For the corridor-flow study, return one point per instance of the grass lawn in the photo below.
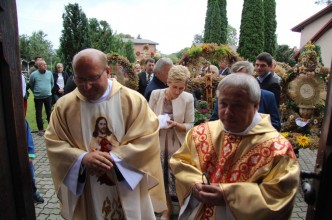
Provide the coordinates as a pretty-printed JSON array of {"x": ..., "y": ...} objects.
[{"x": 31, "y": 114}]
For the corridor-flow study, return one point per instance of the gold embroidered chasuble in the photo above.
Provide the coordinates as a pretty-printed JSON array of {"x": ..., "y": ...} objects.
[
  {"x": 258, "y": 172},
  {"x": 136, "y": 130}
]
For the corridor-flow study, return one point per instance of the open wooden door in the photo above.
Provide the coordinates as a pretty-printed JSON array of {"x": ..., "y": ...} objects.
[
  {"x": 321, "y": 190},
  {"x": 15, "y": 181}
]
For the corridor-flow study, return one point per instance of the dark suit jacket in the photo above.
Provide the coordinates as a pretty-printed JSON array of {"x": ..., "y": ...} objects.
[
  {"x": 153, "y": 85},
  {"x": 271, "y": 83},
  {"x": 224, "y": 72},
  {"x": 56, "y": 88},
  {"x": 70, "y": 85},
  {"x": 267, "y": 105},
  {"x": 142, "y": 84}
]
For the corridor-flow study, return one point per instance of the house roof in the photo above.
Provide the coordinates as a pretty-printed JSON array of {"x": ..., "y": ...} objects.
[
  {"x": 324, "y": 11},
  {"x": 140, "y": 41},
  {"x": 315, "y": 38},
  {"x": 326, "y": 27}
]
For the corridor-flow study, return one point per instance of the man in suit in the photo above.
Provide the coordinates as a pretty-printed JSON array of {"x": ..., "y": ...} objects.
[
  {"x": 267, "y": 104},
  {"x": 159, "y": 81},
  {"x": 266, "y": 78},
  {"x": 224, "y": 69},
  {"x": 145, "y": 77}
]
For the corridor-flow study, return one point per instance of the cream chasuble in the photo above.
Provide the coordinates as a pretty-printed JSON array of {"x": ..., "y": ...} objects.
[
  {"x": 124, "y": 125},
  {"x": 258, "y": 172}
]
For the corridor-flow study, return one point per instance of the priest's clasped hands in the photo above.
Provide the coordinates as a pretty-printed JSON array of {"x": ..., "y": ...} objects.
[{"x": 209, "y": 194}]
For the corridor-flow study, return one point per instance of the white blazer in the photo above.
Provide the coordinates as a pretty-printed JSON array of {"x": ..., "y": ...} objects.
[{"x": 183, "y": 109}]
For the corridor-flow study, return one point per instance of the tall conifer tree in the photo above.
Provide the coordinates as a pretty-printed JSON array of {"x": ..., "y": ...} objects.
[
  {"x": 224, "y": 21},
  {"x": 251, "y": 30},
  {"x": 270, "y": 26},
  {"x": 208, "y": 21},
  {"x": 215, "y": 23},
  {"x": 75, "y": 35}
]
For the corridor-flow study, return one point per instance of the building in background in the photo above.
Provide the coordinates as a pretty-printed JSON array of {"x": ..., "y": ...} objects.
[
  {"x": 318, "y": 30},
  {"x": 143, "y": 48}
]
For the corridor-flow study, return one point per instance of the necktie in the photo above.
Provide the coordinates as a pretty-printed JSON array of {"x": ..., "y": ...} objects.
[{"x": 149, "y": 79}]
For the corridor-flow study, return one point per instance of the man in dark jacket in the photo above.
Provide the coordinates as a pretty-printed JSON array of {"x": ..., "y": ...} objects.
[
  {"x": 159, "y": 81},
  {"x": 266, "y": 78},
  {"x": 267, "y": 104},
  {"x": 145, "y": 77}
]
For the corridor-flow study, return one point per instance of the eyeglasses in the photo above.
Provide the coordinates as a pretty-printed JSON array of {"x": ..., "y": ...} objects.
[
  {"x": 205, "y": 178},
  {"x": 82, "y": 80}
]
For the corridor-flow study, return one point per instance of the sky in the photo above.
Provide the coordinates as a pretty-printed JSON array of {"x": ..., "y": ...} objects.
[{"x": 170, "y": 23}]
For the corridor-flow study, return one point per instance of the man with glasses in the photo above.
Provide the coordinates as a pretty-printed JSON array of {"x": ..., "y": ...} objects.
[
  {"x": 238, "y": 167},
  {"x": 266, "y": 78},
  {"x": 76, "y": 167}
]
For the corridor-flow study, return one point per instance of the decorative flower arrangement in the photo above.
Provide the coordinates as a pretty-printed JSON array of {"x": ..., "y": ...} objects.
[
  {"x": 132, "y": 78},
  {"x": 299, "y": 140},
  {"x": 281, "y": 69},
  {"x": 303, "y": 97},
  {"x": 200, "y": 54},
  {"x": 202, "y": 112},
  {"x": 198, "y": 57},
  {"x": 146, "y": 47}
]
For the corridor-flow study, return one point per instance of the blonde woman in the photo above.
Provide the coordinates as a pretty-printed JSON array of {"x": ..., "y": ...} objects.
[{"x": 175, "y": 109}]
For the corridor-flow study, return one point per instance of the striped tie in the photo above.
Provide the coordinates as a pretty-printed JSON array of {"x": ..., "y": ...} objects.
[{"x": 149, "y": 79}]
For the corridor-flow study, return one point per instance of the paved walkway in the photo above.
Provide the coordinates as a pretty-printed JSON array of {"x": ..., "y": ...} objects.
[{"x": 50, "y": 208}]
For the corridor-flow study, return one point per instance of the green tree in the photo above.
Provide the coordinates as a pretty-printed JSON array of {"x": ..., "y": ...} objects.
[
  {"x": 198, "y": 39},
  {"x": 251, "y": 30},
  {"x": 208, "y": 20},
  {"x": 121, "y": 35},
  {"x": 128, "y": 51},
  {"x": 75, "y": 33},
  {"x": 102, "y": 36},
  {"x": 174, "y": 58},
  {"x": 231, "y": 36},
  {"x": 284, "y": 54},
  {"x": 179, "y": 54},
  {"x": 24, "y": 47},
  {"x": 215, "y": 28},
  {"x": 270, "y": 26},
  {"x": 213, "y": 32},
  {"x": 224, "y": 21},
  {"x": 36, "y": 45},
  {"x": 95, "y": 33},
  {"x": 215, "y": 24}
]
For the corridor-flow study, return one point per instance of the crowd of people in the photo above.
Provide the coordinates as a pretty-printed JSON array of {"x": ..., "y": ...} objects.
[{"x": 129, "y": 154}]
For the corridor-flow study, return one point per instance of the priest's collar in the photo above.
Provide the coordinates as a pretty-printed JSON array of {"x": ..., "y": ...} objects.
[
  {"x": 106, "y": 94},
  {"x": 256, "y": 119}
]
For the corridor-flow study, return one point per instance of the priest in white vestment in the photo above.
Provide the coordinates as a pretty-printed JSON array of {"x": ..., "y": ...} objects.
[{"x": 103, "y": 147}]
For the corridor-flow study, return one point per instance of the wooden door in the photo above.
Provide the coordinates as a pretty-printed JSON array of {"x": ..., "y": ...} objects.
[
  {"x": 322, "y": 186},
  {"x": 15, "y": 181}
]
